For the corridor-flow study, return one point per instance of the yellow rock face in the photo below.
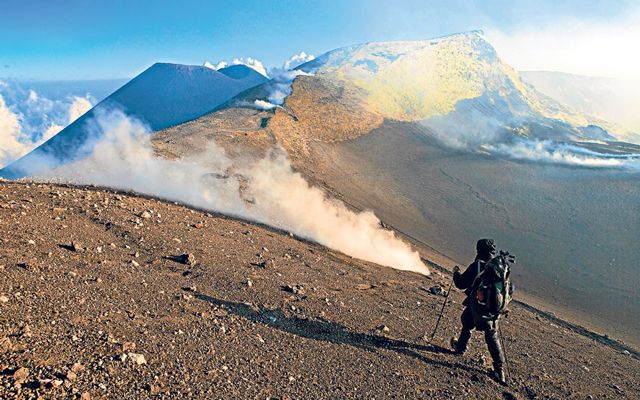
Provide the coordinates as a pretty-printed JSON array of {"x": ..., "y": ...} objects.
[
  {"x": 413, "y": 81},
  {"x": 428, "y": 78}
]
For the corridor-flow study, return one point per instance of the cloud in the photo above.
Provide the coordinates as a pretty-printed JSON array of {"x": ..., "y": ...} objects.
[
  {"x": 51, "y": 131},
  {"x": 594, "y": 48},
  {"x": 27, "y": 119},
  {"x": 297, "y": 59},
  {"x": 220, "y": 65},
  {"x": 78, "y": 107},
  {"x": 265, "y": 190},
  {"x": 11, "y": 145},
  {"x": 249, "y": 62}
]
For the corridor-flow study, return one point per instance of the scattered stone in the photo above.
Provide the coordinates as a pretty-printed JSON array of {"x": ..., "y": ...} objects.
[
  {"x": 437, "y": 290},
  {"x": 31, "y": 242},
  {"x": 264, "y": 264},
  {"x": 249, "y": 283},
  {"x": 185, "y": 258},
  {"x": 384, "y": 328},
  {"x": 153, "y": 389},
  {"x": 363, "y": 286},
  {"x": 145, "y": 215},
  {"x": 295, "y": 289},
  {"x": 5, "y": 344},
  {"x": 21, "y": 374},
  {"x": 135, "y": 263},
  {"x": 128, "y": 346},
  {"x": 138, "y": 359},
  {"x": 76, "y": 367},
  {"x": 4, "y": 299},
  {"x": 71, "y": 376},
  {"x": 77, "y": 247},
  {"x": 26, "y": 332},
  {"x": 85, "y": 396}
]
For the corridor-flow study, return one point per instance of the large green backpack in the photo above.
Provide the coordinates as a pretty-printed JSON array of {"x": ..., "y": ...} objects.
[{"x": 491, "y": 290}]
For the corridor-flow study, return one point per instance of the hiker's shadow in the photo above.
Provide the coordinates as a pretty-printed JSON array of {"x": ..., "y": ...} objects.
[{"x": 332, "y": 332}]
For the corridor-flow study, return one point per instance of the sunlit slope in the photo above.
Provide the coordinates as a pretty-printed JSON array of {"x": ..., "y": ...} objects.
[{"x": 417, "y": 80}]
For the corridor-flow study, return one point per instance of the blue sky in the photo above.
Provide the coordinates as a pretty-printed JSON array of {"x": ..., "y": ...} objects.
[{"x": 88, "y": 39}]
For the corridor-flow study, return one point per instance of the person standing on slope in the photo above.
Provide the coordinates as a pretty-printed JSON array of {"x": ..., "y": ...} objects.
[{"x": 486, "y": 250}]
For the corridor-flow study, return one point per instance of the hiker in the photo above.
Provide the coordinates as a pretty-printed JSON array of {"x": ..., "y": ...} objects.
[{"x": 486, "y": 251}]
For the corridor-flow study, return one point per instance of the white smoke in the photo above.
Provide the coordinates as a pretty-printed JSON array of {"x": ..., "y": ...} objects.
[
  {"x": 281, "y": 83},
  {"x": 264, "y": 105},
  {"x": 270, "y": 192},
  {"x": 470, "y": 129},
  {"x": 559, "y": 153}
]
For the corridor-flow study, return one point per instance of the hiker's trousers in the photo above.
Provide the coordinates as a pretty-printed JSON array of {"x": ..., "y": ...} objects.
[{"x": 490, "y": 336}]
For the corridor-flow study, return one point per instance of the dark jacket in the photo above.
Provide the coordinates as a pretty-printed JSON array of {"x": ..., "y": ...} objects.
[{"x": 465, "y": 280}]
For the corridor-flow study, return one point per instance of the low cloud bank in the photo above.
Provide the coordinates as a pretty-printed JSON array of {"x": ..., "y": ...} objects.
[
  {"x": 266, "y": 191},
  {"x": 28, "y": 119}
]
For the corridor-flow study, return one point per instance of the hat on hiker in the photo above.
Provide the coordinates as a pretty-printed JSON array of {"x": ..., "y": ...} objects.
[{"x": 486, "y": 246}]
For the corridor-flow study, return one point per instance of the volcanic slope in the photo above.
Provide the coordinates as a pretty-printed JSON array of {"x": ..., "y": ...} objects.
[
  {"x": 572, "y": 228},
  {"x": 162, "y": 96},
  {"x": 93, "y": 300}
]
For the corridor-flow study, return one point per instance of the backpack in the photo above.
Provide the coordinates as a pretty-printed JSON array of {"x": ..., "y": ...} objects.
[{"x": 491, "y": 290}]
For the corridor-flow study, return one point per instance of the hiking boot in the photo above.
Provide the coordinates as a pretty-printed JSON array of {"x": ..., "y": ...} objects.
[
  {"x": 454, "y": 346},
  {"x": 500, "y": 376}
]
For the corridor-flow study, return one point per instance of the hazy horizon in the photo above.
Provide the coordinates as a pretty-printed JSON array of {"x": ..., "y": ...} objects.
[{"x": 46, "y": 41}]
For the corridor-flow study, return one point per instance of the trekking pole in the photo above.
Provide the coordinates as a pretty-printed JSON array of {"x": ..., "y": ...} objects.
[
  {"x": 441, "y": 312},
  {"x": 504, "y": 349}
]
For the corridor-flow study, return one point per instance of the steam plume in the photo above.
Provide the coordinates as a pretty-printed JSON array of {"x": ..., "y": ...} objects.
[{"x": 271, "y": 192}]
